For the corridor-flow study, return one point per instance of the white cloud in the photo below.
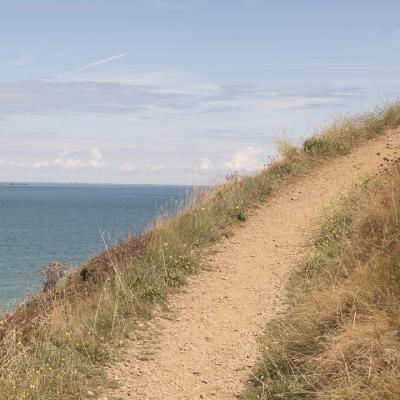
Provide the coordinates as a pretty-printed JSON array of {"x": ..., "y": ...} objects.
[
  {"x": 41, "y": 164},
  {"x": 19, "y": 164},
  {"x": 68, "y": 163},
  {"x": 97, "y": 159},
  {"x": 244, "y": 160},
  {"x": 61, "y": 161},
  {"x": 14, "y": 164},
  {"x": 158, "y": 167},
  {"x": 127, "y": 166},
  {"x": 205, "y": 164}
]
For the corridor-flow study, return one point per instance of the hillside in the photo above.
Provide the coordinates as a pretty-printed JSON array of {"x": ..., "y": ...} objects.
[
  {"x": 193, "y": 338},
  {"x": 206, "y": 346},
  {"x": 339, "y": 337}
]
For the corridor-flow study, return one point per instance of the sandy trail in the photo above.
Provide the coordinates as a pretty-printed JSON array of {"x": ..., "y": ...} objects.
[{"x": 206, "y": 346}]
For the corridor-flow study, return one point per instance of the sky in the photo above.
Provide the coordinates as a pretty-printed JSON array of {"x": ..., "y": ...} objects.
[{"x": 181, "y": 91}]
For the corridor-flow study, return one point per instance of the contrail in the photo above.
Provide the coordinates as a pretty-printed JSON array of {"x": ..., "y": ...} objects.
[{"x": 91, "y": 65}]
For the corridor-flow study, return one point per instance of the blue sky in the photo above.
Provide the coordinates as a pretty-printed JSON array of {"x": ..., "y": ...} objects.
[{"x": 181, "y": 91}]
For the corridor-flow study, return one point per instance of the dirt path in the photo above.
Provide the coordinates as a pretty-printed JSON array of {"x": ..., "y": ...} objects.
[{"x": 206, "y": 346}]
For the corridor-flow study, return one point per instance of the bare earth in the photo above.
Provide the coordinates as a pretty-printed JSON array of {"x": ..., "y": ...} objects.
[{"x": 206, "y": 346}]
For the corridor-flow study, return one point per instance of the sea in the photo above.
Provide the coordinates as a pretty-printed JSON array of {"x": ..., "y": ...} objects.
[{"x": 42, "y": 223}]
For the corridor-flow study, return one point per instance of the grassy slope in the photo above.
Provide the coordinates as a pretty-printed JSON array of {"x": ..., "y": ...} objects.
[
  {"x": 340, "y": 336},
  {"x": 55, "y": 344}
]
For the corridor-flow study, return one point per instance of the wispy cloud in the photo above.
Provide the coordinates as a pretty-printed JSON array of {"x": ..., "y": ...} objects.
[
  {"x": 44, "y": 97},
  {"x": 360, "y": 66},
  {"x": 21, "y": 60},
  {"x": 13, "y": 164},
  {"x": 91, "y": 65},
  {"x": 157, "y": 167}
]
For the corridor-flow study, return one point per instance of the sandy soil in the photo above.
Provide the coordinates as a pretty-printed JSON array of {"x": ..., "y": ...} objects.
[{"x": 206, "y": 346}]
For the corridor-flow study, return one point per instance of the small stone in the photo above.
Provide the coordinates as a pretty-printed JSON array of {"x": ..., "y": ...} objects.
[{"x": 90, "y": 393}]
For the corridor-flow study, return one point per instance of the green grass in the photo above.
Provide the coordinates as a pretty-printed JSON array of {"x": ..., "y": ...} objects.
[
  {"x": 56, "y": 344},
  {"x": 339, "y": 338}
]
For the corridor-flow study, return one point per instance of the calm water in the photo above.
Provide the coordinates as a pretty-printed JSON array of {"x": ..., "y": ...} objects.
[{"x": 44, "y": 223}]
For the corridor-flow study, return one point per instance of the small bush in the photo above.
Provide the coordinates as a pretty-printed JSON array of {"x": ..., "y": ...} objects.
[
  {"x": 316, "y": 146},
  {"x": 53, "y": 273},
  {"x": 241, "y": 216},
  {"x": 287, "y": 150}
]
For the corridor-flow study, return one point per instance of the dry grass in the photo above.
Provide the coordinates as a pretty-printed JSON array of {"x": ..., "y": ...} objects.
[
  {"x": 56, "y": 343},
  {"x": 340, "y": 336}
]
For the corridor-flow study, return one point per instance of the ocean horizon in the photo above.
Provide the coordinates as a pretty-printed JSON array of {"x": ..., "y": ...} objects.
[{"x": 46, "y": 222}]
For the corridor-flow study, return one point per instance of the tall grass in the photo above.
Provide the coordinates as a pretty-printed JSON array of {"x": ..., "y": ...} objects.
[
  {"x": 340, "y": 336},
  {"x": 56, "y": 343}
]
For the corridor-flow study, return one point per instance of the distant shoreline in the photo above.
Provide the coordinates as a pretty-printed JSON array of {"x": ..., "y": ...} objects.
[{"x": 64, "y": 184}]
